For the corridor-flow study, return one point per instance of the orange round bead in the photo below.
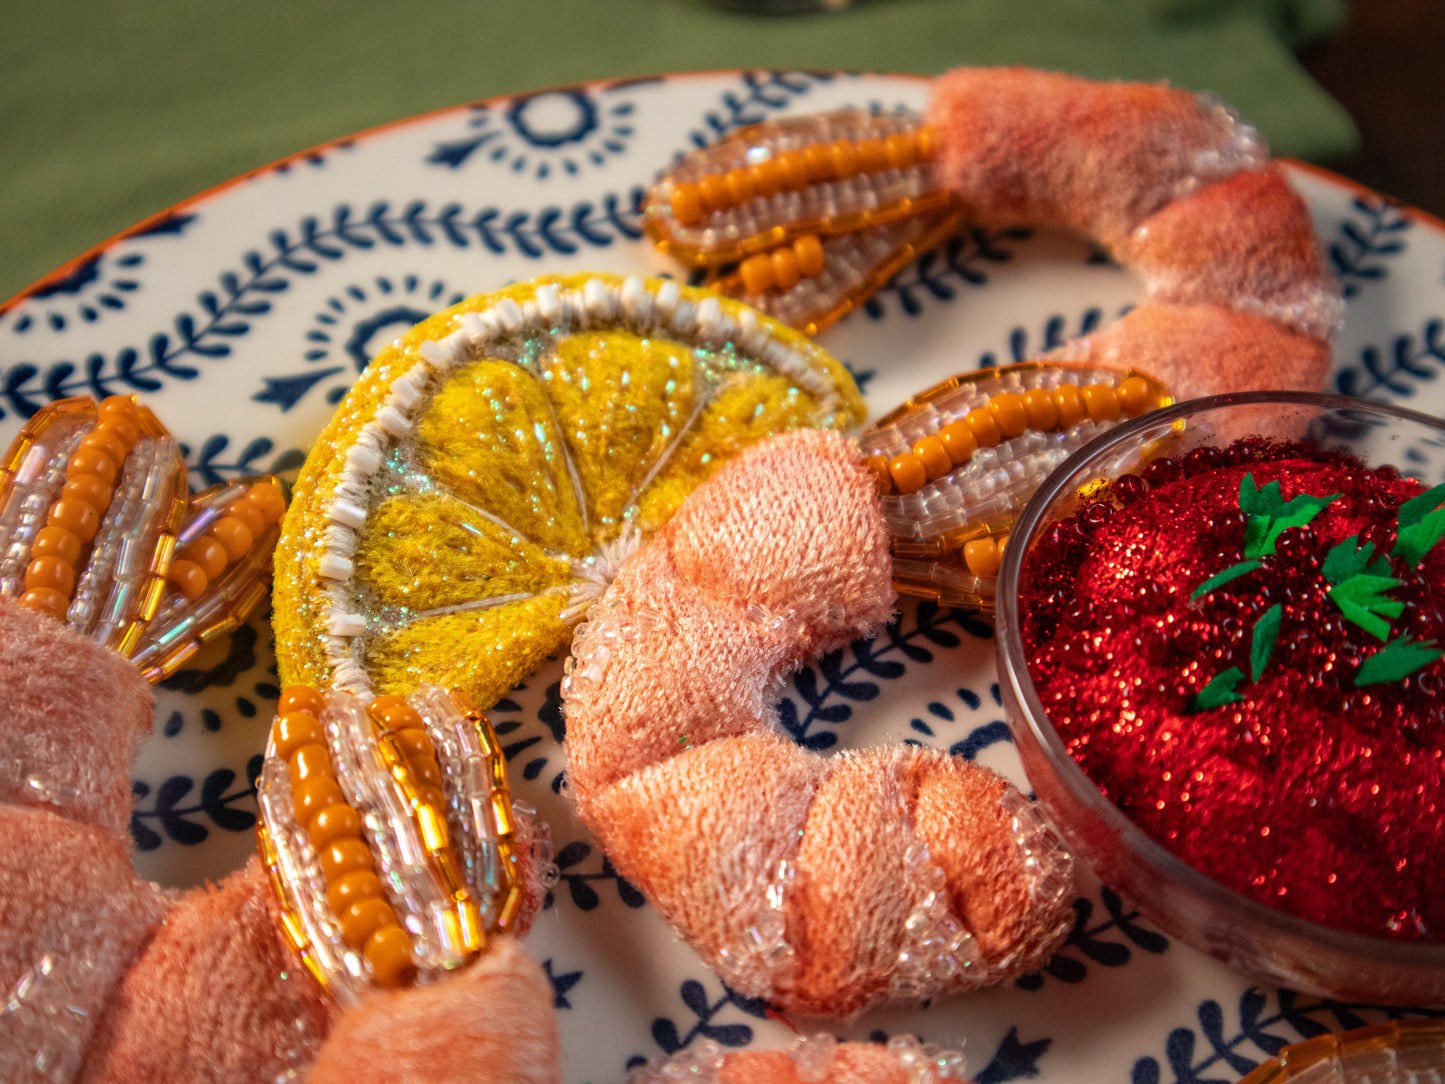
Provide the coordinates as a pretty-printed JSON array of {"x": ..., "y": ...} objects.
[
  {"x": 1071, "y": 405},
  {"x": 1101, "y": 401},
  {"x": 359, "y": 884},
  {"x": 843, "y": 156},
  {"x": 295, "y": 729},
  {"x": 793, "y": 168},
  {"x": 393, "y": 712},
  {"x": 1043, "y": 411},
  {"x": 332, "y": 823},
  {"x": 233, "y": 535},
  {"x": 267, "y": 496},
  {"x": 343, "y": 857},
  {"x": 819, "y": 160},
  {"x": 415, "y": 742},
  {"x": 433, "y": 797},
  {"x": 313, "y": 795},
  {"x": 93, "y": 461},
  {"x": 958, "y": 438},
  {"x": 362, "y": 918},
  {"x": 77, "y": 517},
  {"x": 426, "y": 771},
  {"x": 1135, "y": 396},
  {"x": 207, "y": 554},
  {"x": 768, "y": 179},
  {"x": 56, "y": 542},
  {"x": 757, "y": 273},
  {"x": 50, "y": 573},
  {"x": 107, "y": 442},
  {"x": 933, "y": 453},
  {"x": 878, "y": 466},
  {"x": 1009, "y": 411},
  {"x": 116, "y": 406},
  {"x": 713, "y": 191},
  {"x": 872, "y": 155},
  {"x": 985, "y": 427},
  {"x": 926, "y": 142},
  {"x": 309, "y": 761},
  {"x": 121, "y": 426},
  {"x": 686, "y": 203},
  {"x": 809, "y": 251},
  {"x": 909, "y": 473},
  {"x": 785, "y": 268},
  {"x": 90, "y": 488},
  {"x": 248, "y": 514},
  {"x": 982, "y": 557},
  {"x": 740, "y": 185},
  {"x": 901, "y": 148},
  {"x": 300, "y": 698},
  {"x": 189, "y": 579},
  {"x": 46, "y": 601},
  {"x": 389, "y": 953}
]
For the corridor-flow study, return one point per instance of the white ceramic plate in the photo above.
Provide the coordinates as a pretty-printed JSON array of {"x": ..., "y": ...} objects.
[{"x": 243, "y": 315}]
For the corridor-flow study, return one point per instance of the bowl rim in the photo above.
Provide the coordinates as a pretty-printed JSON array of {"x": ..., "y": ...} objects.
[{"x": 1013, "y": 671}]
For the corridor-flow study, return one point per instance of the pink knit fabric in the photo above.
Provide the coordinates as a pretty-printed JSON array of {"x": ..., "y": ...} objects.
[
  {"x": 75, "y": 713},
  {"x": 675, "y": 765}
]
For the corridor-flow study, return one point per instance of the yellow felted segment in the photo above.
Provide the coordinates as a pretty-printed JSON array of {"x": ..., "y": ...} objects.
[
  {"x": 486, "y": 652},
  {"x": 490, "y": 437},
  {"x": 620, "y": 402},
  {"x": 750, "y": 407},
  {"x": 398, "y": 555}
]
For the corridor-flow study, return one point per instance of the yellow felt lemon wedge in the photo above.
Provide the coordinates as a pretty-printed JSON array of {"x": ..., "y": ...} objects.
[{"x": 488, "y": 472}]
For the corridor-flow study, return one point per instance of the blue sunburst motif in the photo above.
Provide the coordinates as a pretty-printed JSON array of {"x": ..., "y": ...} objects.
[{"x": 555, "y": 130}]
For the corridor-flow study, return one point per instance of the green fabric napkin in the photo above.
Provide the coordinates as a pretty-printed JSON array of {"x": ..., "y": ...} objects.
[{"x": 110, "y": 112}]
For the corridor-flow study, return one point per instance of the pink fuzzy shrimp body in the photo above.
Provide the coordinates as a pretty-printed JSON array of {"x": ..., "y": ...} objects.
[{"x": 825, "y": 884}]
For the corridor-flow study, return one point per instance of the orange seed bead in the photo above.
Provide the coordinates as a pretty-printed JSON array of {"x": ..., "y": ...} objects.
[
  {"x": 50, "y": 573},
  {"x": 878, "y": 466},
  {"x": 394, "y": 713},
  {"x": 93, "y": 461},
  {"x": 985, "y": 427},
  {"x": 207, "y": 554},
  {"x": 294, "y": 729},
  {"x": 90, "y": 488},
  {"x": 189, "y": 579},
  {"x": 686, "y": 203},
  {"x": 909, "y": 473},
  {"x": 334, "y": 822},
  {"x": 77, "y": 517},
  {"x": 104, "y": 441},
  {"x": 56, "y": 542},
  {"x": 1043, "y": 411},
  {"x": 785, "y": 268},
  {"x": 309, "y": 761},
  {"x": 934, "y": 456},
  {"x": 267, "y": 496},
  {"x": 982, "y": 557},
  {"x": 809, "y": 251},
  {"x": 46, "y": 601},
  {"x": 958, "y": 438},
  {"x": 793, "y": 168},
  {"x": 389, "y": 953},
  {"x": 902, "y": 149},
  {"x": 300, "y": 698},
  {"x": 313, "y": 795},
  {"x": 926, "y": 142},
  {"x": 113, "y": 405},
  {"x": 740, "y": 185},
  {"x": 120, "y": 426},
  {"x": 415, "y": 742},
  {"x": 1135, "y": 396},
  {"x": 767, "y": 177},
  {"x": 1071, "y": 405},
  {"x": 757, "y": 273},
  {"x": 233, "y": 535},
  {"x": 1009, "y": 411},
  {"x": 345, "y": 856},
  {"x": 819, "y": 161},
  {"x": 364, "y": 917},
  {"x": 248, "y": 514},
  {"x": 1101, "y": 401},
  {"x": 872, "y": 155},
  {"x": 843, "y": 157},
  {"x": 359, "y": 884},
  {"x": 714, "y": 192},
  {"x": 426, "y": 771}
]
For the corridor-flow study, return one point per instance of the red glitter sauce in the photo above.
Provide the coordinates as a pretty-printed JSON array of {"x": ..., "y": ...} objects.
[{"x": 1311, "y": 794}]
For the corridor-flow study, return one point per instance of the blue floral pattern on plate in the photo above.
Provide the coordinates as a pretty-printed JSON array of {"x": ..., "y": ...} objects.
[{"x": 244, "y": 316}]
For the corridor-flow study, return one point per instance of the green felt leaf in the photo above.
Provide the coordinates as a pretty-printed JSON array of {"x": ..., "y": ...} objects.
[
  {"x": 1397, "y": 659},
  {"x": 1416, "y": 508},
  {"x": 1219, "y": 691},
  {"x": 1266, "y": 635},
  {"x": 1233, "y": 572},
  {"x": 1270, "y": 515},
  {"x": 1361, "y": 598},
  {"x": 1349, "y": 558},
  {"x": 1416, "y": 540}
]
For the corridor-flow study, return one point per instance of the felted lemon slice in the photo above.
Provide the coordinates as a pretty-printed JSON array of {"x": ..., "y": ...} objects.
[{"x": 489, "y": 471}]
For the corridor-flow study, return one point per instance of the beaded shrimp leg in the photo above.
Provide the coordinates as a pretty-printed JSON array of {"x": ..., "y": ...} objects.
[
  {"x": 816, "y": 212},
  {"x": 826, "y": 885}
]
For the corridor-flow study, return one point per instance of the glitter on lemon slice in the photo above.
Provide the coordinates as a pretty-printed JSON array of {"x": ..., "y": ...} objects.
[{"x": 491, "y": 469}]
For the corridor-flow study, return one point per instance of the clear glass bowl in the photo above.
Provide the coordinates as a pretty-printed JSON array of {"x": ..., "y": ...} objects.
[{"x": 1267, "y": 945}]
